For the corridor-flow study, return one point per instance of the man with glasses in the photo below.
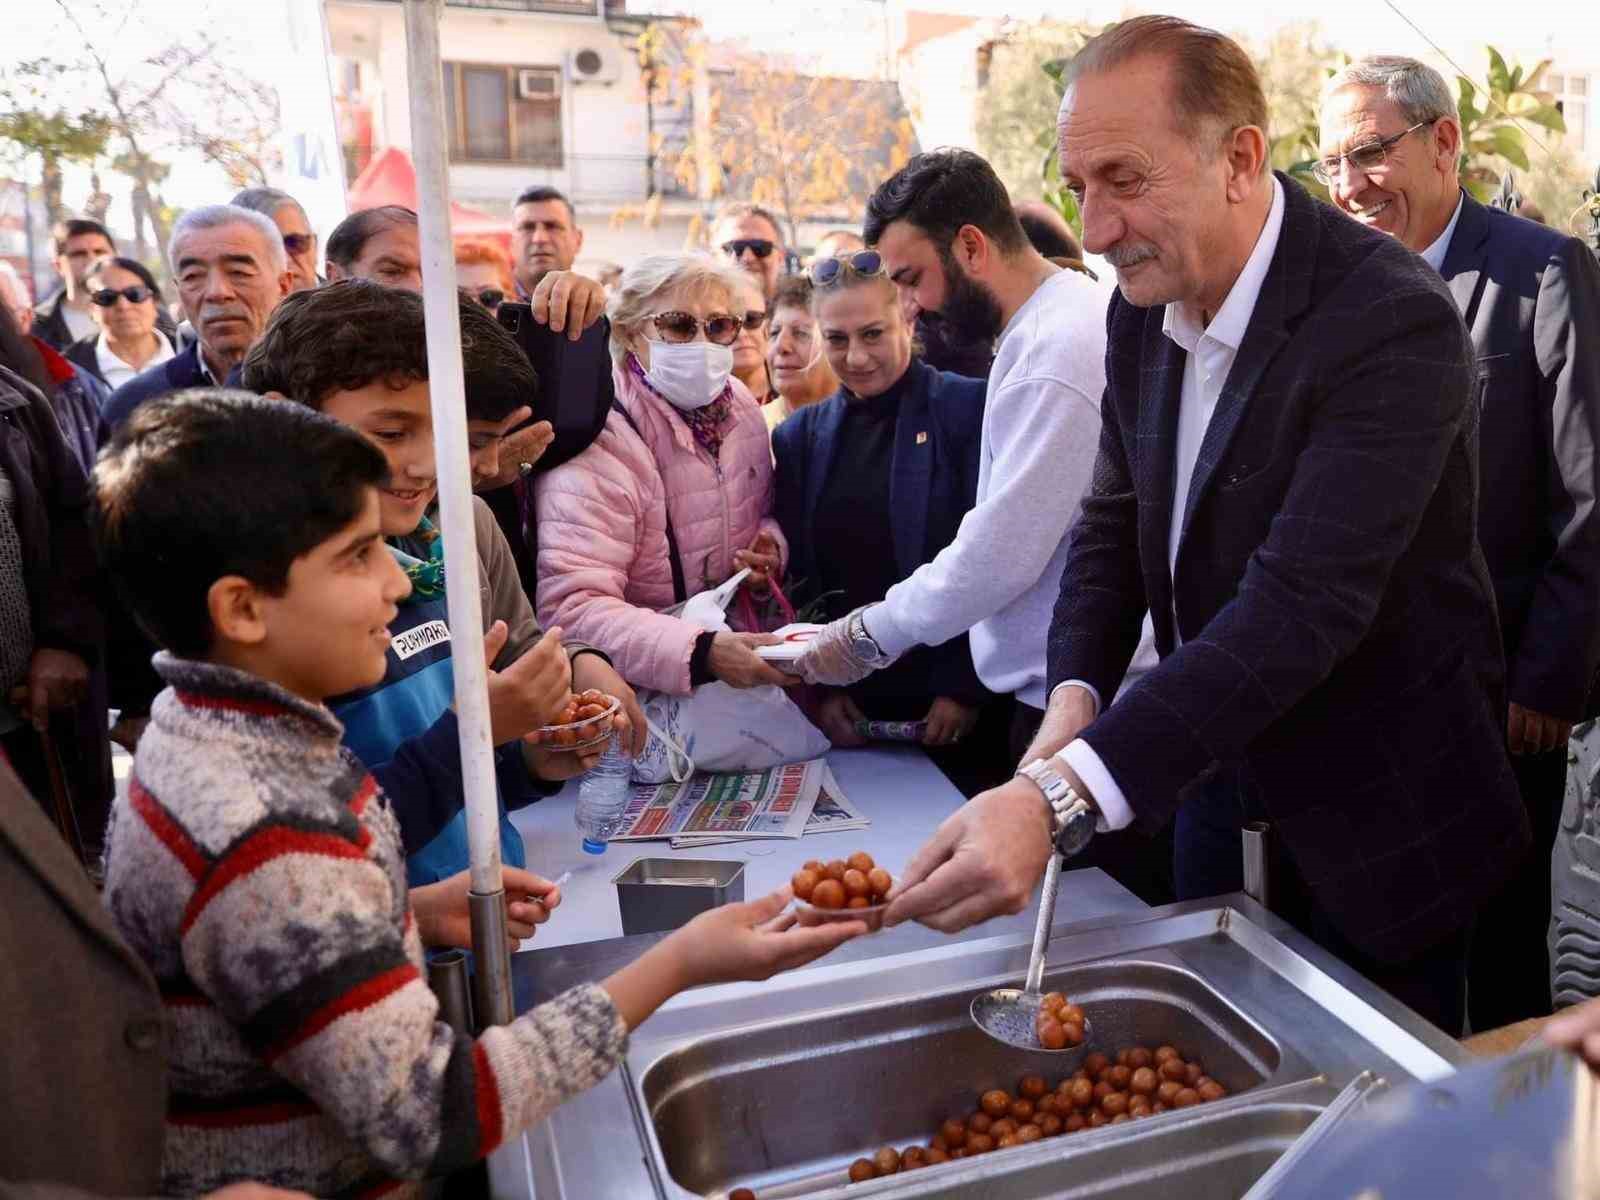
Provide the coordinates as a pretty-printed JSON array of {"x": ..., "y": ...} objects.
[
  {"x": 65, "y": 317},
  {"x": 1391, "y": 145},
  {"x": 747, "y": 236},
  {"x": 299, "y": 240}
]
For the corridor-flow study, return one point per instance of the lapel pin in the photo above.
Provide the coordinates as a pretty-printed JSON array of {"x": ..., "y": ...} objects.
[{"x": 922, "y": 436}]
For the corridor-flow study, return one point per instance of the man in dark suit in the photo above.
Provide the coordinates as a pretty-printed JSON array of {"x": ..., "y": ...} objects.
[
  {"x": 1391, "y": 142},
  {"x": 231, "y": 269},
  {"x": 1287, "y": 481}
]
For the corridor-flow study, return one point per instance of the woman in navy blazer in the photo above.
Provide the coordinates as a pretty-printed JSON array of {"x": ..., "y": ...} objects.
[{"x": 873, "y": 482}]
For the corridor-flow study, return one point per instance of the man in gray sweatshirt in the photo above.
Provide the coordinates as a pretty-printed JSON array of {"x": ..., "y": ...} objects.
[{"x": 951, "y": 242}]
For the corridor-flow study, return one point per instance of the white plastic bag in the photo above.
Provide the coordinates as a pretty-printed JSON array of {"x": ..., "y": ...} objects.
[{"x": 721, "y": 728}]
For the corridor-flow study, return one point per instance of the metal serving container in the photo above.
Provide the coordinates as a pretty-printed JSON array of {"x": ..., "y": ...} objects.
[
  {"x": 661, "y": 894},
  {"x": 777, "y": 1087}
]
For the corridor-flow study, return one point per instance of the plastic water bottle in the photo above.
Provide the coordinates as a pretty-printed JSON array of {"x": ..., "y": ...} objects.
[{"x": 603, "y": 798}]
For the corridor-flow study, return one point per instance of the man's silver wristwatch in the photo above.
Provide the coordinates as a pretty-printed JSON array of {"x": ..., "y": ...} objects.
[
  {"x": 862, "y": 644},
  {"x": 1072, "y": 818}
]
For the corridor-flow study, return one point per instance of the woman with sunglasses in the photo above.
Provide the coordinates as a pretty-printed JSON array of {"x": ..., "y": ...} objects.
[
  {"x": 483, "y": 271},
  {"x": 750, "y": 347},
  {"x": 872, "y": 483},
  {"x": 674, "y": 496},
  {"x": 125, "y": 303}
]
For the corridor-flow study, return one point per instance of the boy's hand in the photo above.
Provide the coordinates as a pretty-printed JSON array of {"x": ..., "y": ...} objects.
[
  {"x": 444, "y": 917},
  {"x": 564, "y": 300},
  {"x": 753, "y": 941},
  {"x": 513, "y": 450},
  {"x": 56, "y": 679},
  {"x": 836, "y": 716},
  {"x": 592, "y": 671},
  {"x": 529, "y": 693},
  {"x": 556, "y": 766}
]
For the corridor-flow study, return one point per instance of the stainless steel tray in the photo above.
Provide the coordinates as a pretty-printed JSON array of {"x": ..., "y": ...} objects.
[
  {"x": 782, "y": 1101},
  {"x": 777, "y": 1086}
]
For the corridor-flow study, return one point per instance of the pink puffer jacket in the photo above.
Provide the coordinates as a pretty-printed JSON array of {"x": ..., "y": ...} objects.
[{"x": 604, "y": 569}]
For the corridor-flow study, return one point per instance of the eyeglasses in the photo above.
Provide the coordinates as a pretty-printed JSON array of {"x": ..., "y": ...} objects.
[
  {"x": 107, "y": 297},
  {"x": 760, "y": 247},
  {"x": 1367, "y": 159},
  {"x": 299, "y": 243},
  {"x": 676, "y": 328},
  {"x": 491, "y": 298},
  {"x": 828, "y": 271},
  {"x": 754, "y": 319}
]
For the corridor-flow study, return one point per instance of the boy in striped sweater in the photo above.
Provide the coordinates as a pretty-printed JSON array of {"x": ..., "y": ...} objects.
[{"x": 255, "y": 864}]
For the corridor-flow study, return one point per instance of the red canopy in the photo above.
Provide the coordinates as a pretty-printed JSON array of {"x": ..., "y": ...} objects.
[{"x": 391, "y": 179}]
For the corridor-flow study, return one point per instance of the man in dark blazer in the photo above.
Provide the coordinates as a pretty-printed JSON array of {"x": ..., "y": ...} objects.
[
  {"x": 1531, "y": 299},
  {"x": 1287, "y": 481}
]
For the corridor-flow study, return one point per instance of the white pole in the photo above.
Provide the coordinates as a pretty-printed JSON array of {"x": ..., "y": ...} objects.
[{"x": 441, "y": 310}]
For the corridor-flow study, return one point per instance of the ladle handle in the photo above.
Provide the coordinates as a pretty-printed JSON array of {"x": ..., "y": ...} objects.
[{"x": 1041, "y": 929}]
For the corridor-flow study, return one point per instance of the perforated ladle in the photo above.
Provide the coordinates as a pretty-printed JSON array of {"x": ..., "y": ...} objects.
[{"x": 1008, "y": 1015}]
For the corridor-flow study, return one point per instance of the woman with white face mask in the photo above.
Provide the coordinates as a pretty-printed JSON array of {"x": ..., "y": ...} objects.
[{"x": 674, "y": 496}]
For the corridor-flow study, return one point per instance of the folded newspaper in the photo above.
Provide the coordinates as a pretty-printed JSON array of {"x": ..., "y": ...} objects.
[
  {"x": 831, "y": 813},
  {"x": 710, "y": 808}
]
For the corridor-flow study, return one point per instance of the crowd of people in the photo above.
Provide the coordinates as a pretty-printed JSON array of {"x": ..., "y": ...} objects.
[{"x": 1288, "y": 516}]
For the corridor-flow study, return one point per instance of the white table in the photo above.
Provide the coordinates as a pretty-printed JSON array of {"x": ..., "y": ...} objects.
[{"x": 902, "y": 792}]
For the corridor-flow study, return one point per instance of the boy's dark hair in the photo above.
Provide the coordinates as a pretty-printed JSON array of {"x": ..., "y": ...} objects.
[
  {"x": 542, "y": 194},
  {"x": 351, "y": 235},
  {"x": 208, "y": 482},
  {"x": 346, "y": 335},
  {"x": 77, "y": 227},
  {"x": 939, "y": 192}
]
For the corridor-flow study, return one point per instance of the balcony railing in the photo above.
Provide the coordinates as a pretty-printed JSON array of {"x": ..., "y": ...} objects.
[{"x": 558, "y": 8}]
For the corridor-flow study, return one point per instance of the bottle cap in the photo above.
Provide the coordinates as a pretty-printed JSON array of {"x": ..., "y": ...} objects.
[{"x": 593, "y": 847}]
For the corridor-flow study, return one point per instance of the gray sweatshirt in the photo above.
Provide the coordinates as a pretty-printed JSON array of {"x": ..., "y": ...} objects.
[{"x": 1041, "y": 432}]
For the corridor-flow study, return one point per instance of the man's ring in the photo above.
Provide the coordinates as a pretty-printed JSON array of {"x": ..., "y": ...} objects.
[{"x": 526, "y": 468}]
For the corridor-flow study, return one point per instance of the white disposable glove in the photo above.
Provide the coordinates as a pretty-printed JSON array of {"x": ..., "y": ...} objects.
[{"x": 831, "y": 658}]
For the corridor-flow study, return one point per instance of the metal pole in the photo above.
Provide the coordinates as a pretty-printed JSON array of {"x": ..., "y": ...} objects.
[
  {"x": 447, "y": 976},
  {"x": 425, "y": 79}
]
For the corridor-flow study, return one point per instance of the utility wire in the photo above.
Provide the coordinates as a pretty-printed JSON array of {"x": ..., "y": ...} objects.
[{"x": 1487, "y": 91}]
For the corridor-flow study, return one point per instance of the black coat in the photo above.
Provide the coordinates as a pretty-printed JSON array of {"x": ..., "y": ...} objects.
[
  {"x": 1339, "y": 636},
  {"x": 1531, "y": 299},
  {"x": 933, "y": 484},
  {"x": 183, "y": 370}
]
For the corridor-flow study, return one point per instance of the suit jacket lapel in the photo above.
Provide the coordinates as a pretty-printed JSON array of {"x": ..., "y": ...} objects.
[
  {"x": 1285, "y": 292},
  {"x": 1463, "y": 258},
  {"x": 1155, "y": 464},
  {"x": 911, "y": 474}
]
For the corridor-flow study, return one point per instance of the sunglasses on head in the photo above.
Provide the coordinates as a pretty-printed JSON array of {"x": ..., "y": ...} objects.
[
  {"x": 299, "y": 243},
  {"x": 760, "y": 247},
  {"x": 677, "y": 328},
  {"x": 861, "y": 262},
  {"x": 107, "y": 297}
]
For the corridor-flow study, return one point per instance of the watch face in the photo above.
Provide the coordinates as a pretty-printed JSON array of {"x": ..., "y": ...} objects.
[{"x": 1076, "y": 833}]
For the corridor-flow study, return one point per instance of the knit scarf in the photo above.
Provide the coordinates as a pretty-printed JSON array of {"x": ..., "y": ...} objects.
[
  {"x": 426, "y": 574},
  {"x": 704, "y": 423}
]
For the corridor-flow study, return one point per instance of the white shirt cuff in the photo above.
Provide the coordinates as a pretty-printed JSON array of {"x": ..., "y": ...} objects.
[
  {"x": 881, "y": 626},
  {"x": 1103, "y": 790},
  {"x": 1088, "y": 687}
]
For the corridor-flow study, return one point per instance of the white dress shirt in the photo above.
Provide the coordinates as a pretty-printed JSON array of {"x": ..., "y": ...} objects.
[
  {"x": 1210, "y": 354},
  {"x": 1434, "y": 254},
  {"x": 116, "y": 372}
]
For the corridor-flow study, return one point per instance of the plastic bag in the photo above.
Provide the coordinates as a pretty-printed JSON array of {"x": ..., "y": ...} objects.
[{"x": 720, "y": 728}]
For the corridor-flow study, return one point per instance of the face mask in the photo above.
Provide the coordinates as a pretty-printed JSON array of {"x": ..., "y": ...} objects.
[{"x": 690, "y": 375}]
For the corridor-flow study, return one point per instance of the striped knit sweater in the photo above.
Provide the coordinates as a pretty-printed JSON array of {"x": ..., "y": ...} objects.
[{"x": 257, "y": 868}]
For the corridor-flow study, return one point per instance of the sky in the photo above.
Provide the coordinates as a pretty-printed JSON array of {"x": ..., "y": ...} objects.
[{"x": 844, "y": 30}]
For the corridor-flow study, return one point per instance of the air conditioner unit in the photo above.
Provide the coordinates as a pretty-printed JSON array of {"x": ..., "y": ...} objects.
[
  {"x": 538, "y": 83},
  {"x": 593, "y": 64}
]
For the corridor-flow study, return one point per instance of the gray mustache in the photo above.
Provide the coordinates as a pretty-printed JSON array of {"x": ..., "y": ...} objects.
[{"x": 1129, "y": 256}]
